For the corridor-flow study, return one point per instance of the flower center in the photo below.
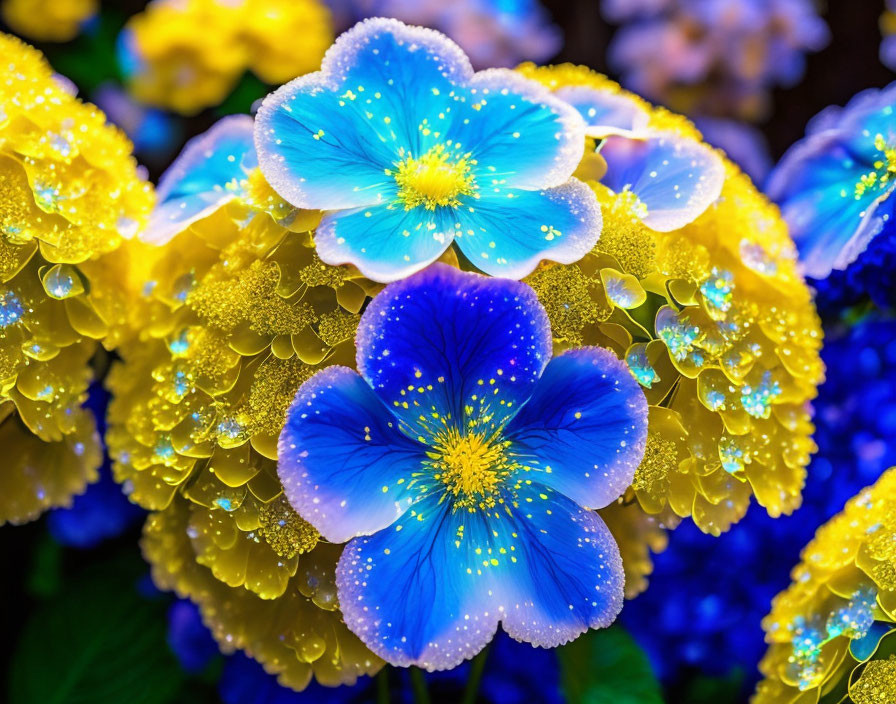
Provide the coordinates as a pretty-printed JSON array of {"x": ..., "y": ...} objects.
[
  {"x": 471, "y": 467},
  {"x": 884, "y": 169},
  {"x": 434, "y": 180}
]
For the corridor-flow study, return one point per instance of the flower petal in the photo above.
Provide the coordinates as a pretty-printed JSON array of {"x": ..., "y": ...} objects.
[
  {"x": 407, "y": 592},
  {"x": 358, "y": 115},
  {"x": 606, "y": 113},
  {"x": 587, "y": 423},
  {"x": 446, "y": 344},
  {"x": 202, "y": 178},
  {"x": 343, "y": 462},
  {"x": 518, "y": 131},
  {"x": 676, "y": 179},
  {"x": 507, "y": 232},
  {"x": 560, "y": 573},
  {"x": 386, "y": 242},
  {"x": 318, "y": 151},
  {"x": 814, "y": 183}
]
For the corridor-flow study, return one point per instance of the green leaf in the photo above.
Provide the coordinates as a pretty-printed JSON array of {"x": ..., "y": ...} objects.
[
  {"x": 607, "y": 667},
  {"x": 716, "y": 690},
  {"x": 45, "y": 576},
  {"x": 98, "y": 641}
]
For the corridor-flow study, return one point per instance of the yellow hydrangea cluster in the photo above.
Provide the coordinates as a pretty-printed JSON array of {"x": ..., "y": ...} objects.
[
  {"x": 70, "y": 193},
  {"x": 48, "y": 20},
  {"x": 189, "y": 55},
  {"x": 832, "y": 632},
  {"x": 715, "y": 323},
  {"x": 236, "y": 312}
]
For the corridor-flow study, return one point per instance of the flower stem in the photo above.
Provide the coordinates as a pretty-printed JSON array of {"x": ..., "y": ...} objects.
[
  {"x": 382, "y": 686},
  {"x": 477, "y": 667},
  {"x": 418, "y": 684}
]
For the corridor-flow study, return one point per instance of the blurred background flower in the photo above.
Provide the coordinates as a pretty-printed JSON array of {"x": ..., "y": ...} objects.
[
  {"x": 835, "y": 188},
  {"x": 717, "y": 58},
  {"x": 48, "y": 20},
  {"x": 491, "y": 32}
]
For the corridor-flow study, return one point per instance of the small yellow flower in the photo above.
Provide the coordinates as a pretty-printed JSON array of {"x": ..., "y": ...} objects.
[
  {"x": 186, "y": 56},
  {"x": 834, "y": 627},
  {"x": 48, "y": 20}
]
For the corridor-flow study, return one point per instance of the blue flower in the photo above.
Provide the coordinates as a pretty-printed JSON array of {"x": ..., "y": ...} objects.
[
  {"x": 189, "y": 639},
  {"x": 211, "y": 170},
  {"x": 408, "y": 150},
  {"x": 464, "y": 455},
  {"x": 674, "y": 179},
  {"x": 102, "y": 511},
  {"x": 834, "y": 186}
]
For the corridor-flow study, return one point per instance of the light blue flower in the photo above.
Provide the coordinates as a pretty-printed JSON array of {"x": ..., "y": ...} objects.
[
  {"x": 211, "y": 170},
  {"x": 605, "y": 112},
  {"x": 461, "y": 463},
  {"x": 408, "y": 150},
  {"x": 675, "y": 179},
  {"x": 834, "y": 185}
]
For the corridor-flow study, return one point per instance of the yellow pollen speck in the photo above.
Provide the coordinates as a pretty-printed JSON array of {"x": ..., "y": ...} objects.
[{"x": 885, "y": 168}]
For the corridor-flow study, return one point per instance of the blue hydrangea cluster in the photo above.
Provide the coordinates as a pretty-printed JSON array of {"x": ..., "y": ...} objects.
[
  {"x": 871, "y": 277},
  {"x": 701, "y": 614}
]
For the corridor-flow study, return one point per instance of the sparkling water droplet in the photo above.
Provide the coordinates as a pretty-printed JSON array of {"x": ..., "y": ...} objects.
[{"x": 11, "y": 310}]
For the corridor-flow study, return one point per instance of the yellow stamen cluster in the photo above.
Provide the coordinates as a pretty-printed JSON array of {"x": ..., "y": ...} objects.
[
  {"x": 435, "y": 180},
  {"x": 471, "y": 466},
  {"x": 884, "y": 169}
]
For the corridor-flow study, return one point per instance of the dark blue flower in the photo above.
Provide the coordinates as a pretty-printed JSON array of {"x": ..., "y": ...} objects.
[
  {"x": 102, "y": 511},
  {"x": 464, "y": 456},
  {"x": 189, "y": 639}
]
